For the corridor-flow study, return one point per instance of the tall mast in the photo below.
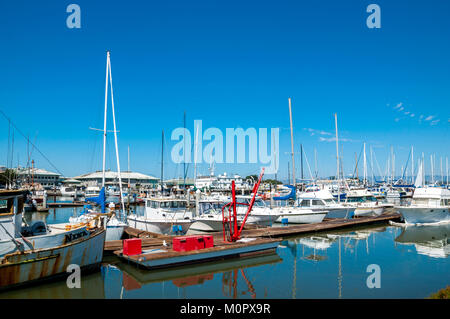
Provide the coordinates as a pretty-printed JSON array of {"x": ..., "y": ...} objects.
[
  {"x": 292, "y": 144},
  {"x": 432, "y": 168},
  {"x": 115, "y": 136},
  {"x": 365, "y": 166},
  {"x": 301, "y": 161},
  {"x": 162, "y": 162},
  {"x": 412, "y": 164},
  {"x": 441, "y": 179},
  {"x": 104, "y": 121},
  {"x": 337, "y": 158},
  {"x": 195, "y": 156},
  {"x": 184, "y": 148}
]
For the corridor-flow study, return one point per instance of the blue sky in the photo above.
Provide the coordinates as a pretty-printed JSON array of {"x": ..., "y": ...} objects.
[{"x": 230, "y": 64}]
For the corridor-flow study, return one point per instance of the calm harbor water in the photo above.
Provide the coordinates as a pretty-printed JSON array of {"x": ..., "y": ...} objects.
[{"x": 414, "y": 263}]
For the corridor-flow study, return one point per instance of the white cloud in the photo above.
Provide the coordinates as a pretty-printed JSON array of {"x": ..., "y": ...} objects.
[
  {"x": 429, "y": 118},
  {"x": 434, "y": 122},
  {"x": 412, "y": 115},
  {"x": 313, "y": 132},
  {"x": 398, "y": 105},
  {"x": 333, "y": 139}
]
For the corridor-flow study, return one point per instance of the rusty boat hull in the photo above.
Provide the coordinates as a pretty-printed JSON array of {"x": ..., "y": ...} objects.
[{"x": 33, "y": 266}]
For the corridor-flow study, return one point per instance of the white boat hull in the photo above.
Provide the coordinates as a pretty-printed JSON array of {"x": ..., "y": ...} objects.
[
  {"x": 368, "y": 211},
  {"x": 160, "y": 226},
  {"x": 298, "y": 216},
  {"x": 424, "y": 215}
]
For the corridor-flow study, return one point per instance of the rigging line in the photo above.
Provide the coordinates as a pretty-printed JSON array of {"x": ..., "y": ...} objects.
[
  {"x": 23, "y": 135},
  {"x": 357, "y": 162}
]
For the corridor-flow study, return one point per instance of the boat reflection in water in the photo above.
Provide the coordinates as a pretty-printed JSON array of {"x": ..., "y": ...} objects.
[
  {"x": 233, "y": 270},
  {"x": 429, "y": 240}
]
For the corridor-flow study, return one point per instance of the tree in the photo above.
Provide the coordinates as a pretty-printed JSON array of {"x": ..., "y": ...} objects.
[{"x": 8, "y": 176}]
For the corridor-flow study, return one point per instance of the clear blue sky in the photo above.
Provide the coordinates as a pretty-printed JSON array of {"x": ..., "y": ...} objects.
[{"x": 230, "y": 64}]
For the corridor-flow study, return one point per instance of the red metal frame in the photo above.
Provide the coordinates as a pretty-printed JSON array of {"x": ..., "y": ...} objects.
[{"x": 231, "y": 220}]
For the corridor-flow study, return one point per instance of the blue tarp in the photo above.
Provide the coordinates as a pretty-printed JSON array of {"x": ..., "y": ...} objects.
[
  {"x": 289, "y": 196},
  {"x": 101, "y": 199}
]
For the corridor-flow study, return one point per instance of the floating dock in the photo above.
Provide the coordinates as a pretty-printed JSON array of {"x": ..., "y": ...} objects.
[{"x": 164, "y": 257}]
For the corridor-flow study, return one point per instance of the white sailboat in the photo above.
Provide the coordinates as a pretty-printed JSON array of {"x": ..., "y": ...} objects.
[{"x": 116, "y": 224}]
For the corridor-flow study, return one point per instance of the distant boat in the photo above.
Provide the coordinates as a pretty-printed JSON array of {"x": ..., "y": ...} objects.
[
  {"x": 365, "y": 203},
  {"x": 323, "y": 200},
  {"x": 37, "y": 252}
]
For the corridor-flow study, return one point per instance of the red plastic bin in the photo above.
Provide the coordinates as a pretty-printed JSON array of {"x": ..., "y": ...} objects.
[
  {"x": 188, "y": 243},
  {"x": 132, "y": 246},
  {"x": 209, "y": 241}
]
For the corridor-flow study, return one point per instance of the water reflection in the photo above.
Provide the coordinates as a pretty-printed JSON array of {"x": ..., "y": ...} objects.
[
  {"x": 232, "y": 270},
  {"x": 432, "y": 241}
]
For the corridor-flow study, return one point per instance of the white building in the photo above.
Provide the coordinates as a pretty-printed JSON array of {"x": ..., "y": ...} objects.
[
  {"x": 135, "y": 178},
  {"x": 47, "y": 179}
]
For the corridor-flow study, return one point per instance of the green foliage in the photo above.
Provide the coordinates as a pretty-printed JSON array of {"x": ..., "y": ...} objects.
[
  {"x": 444, "y": 293},
  {"x": 8, "y": 176},
  {"x": 272, "y": 181}
]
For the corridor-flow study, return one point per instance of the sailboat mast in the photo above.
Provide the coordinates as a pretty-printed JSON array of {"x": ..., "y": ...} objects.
[
  {"x": 365, "y": 166},
  {"x": 184, "y": 153},
  {"x": 162, "y": 162},
  {"x": 115, "y": 136},
  {"x": 412, "y": 164},
  {"x": 292, "y": 144},
  {"x": 337, "y": 158},
  {"x": 104, "y": 121}
]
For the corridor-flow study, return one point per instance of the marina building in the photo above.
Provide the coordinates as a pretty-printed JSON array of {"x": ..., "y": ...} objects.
[{"x": 135, "y": 178}]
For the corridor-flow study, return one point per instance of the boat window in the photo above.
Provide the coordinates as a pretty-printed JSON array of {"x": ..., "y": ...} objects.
[
  {"x": 165, "y": 204},
  {"x": 173, "y": 204},
  {"x": 155, "y": 204},
  {"x": 149, "y": 203},
  {"x": 305, "y": 203},
  {"x": 445, "y": 202},
  {"x": 420, "y": 201},
  {"x": 329, "y": 201},
  {"x": 316, "y": 202},
  {"x": 181, "y": 204}
]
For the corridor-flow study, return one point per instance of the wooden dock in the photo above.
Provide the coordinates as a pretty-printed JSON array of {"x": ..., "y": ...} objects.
[
  {"x": 165, "y": 256},
  {"x": 329, "y": 224},
  {"x": 61, "y": 205}
]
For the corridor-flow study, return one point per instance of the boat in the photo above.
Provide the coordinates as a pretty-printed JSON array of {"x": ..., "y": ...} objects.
[
  {"x": 429, "y": 205},
  {"x": 364, "y": 202},
  {"x": 68, "y": 191},
  {"x": 163, "y": 215},
  {"x": 38, "y": 252},
  {"x": 209, "y": 216},
  {"x": 261, "y": 214},
  {"x": 300, "y": 215},
  {"x": 324, "y": 200},
  {"x": 116, "y": 221}
]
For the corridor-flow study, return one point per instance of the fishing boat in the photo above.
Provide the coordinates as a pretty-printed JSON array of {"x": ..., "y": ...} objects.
[
  {"x": 163, "y": 215},
  {"x": 209, "y": 216},
  {"x": 37, "y": 252}
]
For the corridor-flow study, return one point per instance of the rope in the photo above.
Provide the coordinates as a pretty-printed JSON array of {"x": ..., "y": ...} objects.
[{"x": 23, "y": 135}]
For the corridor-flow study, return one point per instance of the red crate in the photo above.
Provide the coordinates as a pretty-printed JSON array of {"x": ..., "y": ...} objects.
[
  {"x": 209, "y": 241},
  {"x": 188, "y": 243},
  {"x": 132, "y": 246}
]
